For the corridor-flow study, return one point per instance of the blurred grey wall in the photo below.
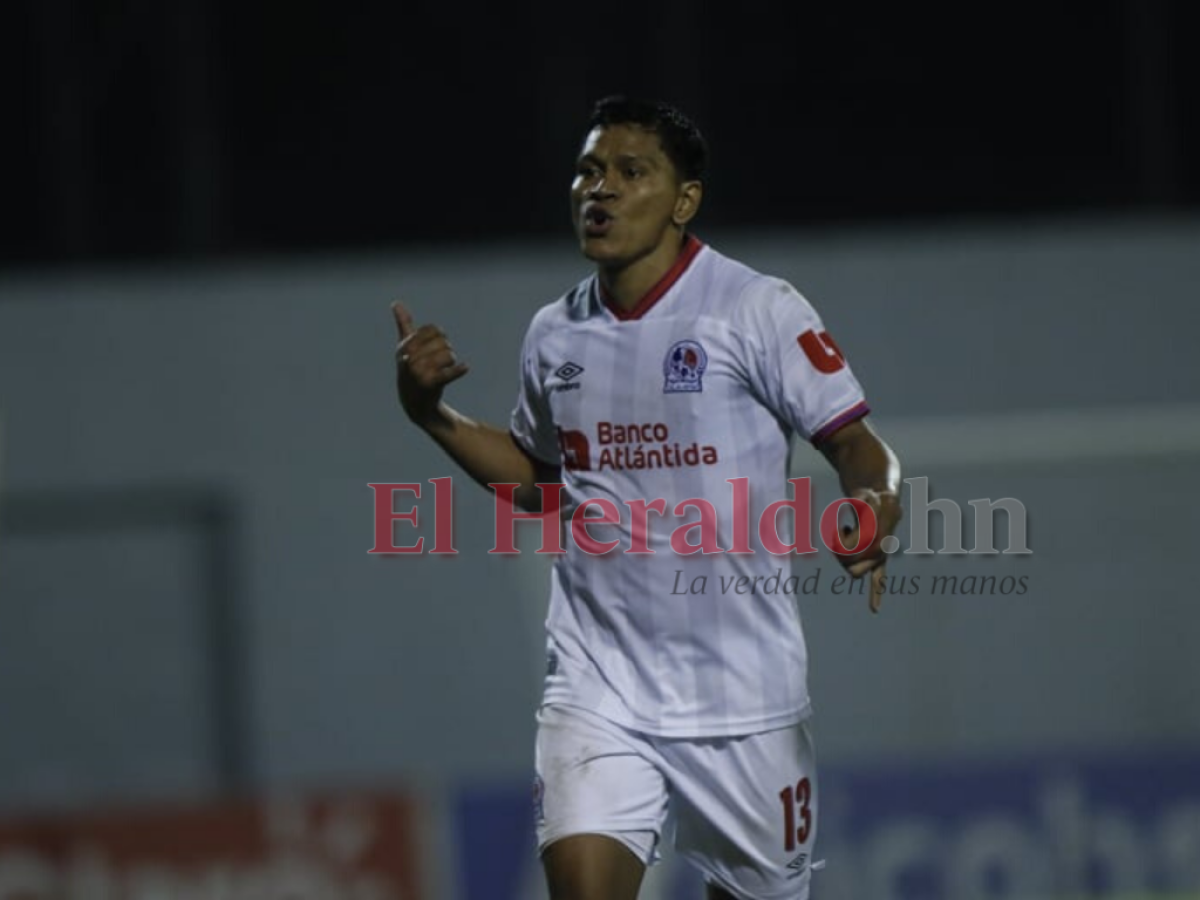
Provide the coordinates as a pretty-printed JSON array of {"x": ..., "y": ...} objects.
[{"x": 272, "y": 382}]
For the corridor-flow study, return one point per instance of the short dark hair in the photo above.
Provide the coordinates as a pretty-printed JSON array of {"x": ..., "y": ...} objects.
[{"x": 680, "y": 138}]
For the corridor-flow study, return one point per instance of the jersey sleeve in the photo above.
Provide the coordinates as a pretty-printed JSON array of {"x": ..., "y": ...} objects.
[
  {"x": 531, "y": 423},
  {"x": 794, "y": 364}
]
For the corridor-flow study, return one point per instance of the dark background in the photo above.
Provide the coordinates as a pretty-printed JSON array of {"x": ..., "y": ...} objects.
[
  {"x": 216, "y": 128},
  {"x": 208, "y": 207}
]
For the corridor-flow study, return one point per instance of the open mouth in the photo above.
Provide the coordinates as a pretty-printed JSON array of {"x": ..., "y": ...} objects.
[{"x": 596, "y": 221}]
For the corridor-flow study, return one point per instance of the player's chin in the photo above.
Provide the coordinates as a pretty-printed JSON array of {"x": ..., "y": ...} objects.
[{"x": 599, "y": 250}]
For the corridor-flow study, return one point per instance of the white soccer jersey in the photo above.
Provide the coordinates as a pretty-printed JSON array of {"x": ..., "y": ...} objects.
[{"x": 706, "y": 380}]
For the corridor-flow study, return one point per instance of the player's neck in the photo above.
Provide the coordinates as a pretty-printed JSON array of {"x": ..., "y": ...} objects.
[{"x": 625, "y": 286}]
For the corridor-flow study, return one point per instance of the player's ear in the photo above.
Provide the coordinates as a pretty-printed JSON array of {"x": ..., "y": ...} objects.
[{"x": 687, "y": 203}]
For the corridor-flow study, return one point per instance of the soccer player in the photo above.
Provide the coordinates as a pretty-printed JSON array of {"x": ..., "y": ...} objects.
[{"x": 667, "y": 386}]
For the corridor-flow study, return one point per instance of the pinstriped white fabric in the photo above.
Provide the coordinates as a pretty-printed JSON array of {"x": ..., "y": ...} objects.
[{"x": 708, "y": 383}]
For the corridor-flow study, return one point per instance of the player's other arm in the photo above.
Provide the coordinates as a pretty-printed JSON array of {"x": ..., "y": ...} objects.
[
  {"x": 425, "y": 364},
  {"x": 869, "y": 471}
]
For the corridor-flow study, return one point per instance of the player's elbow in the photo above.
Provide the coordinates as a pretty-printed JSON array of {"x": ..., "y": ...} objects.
[{"x": 528, "y": 498}]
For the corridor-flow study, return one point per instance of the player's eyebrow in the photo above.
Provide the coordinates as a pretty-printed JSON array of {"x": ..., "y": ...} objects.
[
  {"x": 627, "y": 158},
  {"x": 622, "y": 160}
]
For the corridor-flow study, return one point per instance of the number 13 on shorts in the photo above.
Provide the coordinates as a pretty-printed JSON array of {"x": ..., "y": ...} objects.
[{"x": 797, "y": 813}]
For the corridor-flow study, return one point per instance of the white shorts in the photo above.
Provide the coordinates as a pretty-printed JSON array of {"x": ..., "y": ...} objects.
[{"x": 744, "y": 809}]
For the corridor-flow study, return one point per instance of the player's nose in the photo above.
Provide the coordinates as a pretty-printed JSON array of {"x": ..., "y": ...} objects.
[{"x": 602, "y": 188}]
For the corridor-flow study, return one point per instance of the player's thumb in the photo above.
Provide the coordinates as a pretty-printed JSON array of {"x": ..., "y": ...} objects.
[{"x": 404, "y": 320}]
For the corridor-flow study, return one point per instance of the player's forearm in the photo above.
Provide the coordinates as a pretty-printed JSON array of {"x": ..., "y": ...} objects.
[
  {"x": 486, "y": 453},
  {"x": 863, "y": 460}
]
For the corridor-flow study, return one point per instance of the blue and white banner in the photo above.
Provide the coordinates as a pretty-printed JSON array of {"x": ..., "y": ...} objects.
[{"x": 1034, "y": 830}]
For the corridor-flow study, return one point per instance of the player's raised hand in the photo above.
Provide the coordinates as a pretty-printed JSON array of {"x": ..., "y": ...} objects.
[
  {"x": 425, "y": 364},
  {"x": 872, "y": 561}
]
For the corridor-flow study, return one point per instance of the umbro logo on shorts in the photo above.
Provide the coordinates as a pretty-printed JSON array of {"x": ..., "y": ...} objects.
[
  {"x": 798, "y": 865},
  {"x": 539, "y": 795}
]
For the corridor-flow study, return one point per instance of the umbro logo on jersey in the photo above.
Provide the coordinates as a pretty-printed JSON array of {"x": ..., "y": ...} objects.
[
  {"x": 683, "y": 368},
  {"x": 566, "y": 373}
]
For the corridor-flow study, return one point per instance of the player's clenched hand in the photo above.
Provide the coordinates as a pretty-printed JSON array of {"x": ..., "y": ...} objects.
[
  {"x": 872, "y": 561},
  {"x": 425, "y": 364}
]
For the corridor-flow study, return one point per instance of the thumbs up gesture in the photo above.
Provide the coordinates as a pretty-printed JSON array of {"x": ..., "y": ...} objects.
[{"x": 425, "y": 364}]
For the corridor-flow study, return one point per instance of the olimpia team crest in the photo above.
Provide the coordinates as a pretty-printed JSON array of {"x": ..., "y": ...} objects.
[{"x": 684, "y": 367}]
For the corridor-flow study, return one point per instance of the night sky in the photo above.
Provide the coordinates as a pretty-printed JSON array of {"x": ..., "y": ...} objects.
[{"x": 214, "y": 129}]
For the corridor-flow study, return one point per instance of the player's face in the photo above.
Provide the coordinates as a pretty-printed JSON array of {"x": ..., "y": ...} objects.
[{"x": 627, "y": 200}]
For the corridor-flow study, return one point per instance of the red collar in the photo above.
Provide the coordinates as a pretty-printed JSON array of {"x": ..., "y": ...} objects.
[{"x": 691, "y": 246}]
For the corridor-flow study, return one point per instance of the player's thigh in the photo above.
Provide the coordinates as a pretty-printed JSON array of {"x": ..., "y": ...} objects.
[
  {"x": 595, "y": 779},
  {"x": 746, "y": 811},
  {"x": 592, "y": 867}
]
